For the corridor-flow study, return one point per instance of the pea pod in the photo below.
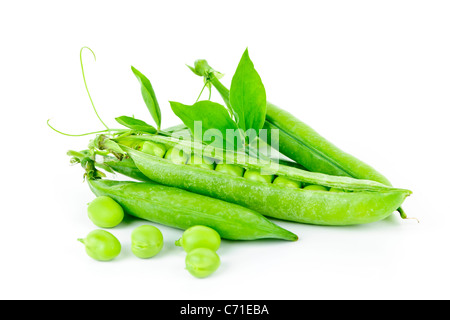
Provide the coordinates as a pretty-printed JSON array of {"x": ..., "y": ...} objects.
[
  {"x": 182, "y": 209},
  {"x": 300, "y": 142},
  {"x": 370, "y": 201},
  {"x": 126, "y": 167}
]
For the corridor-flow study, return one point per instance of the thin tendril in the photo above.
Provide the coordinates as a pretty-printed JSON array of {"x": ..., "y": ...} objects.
[
  {"x": 77, "y": 135},
  {"x": 201, "y": 92},
  {"x": 84, "y": 80}
]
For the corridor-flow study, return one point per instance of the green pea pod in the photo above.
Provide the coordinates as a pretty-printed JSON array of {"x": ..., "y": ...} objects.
[
  {"x": 183, "y": 132},
  {"x": 370, "y": 201},
  {"x": 125, "y": 167},
  {"x": 182, "y": 209},
  {"x": 300, "y": 142}
]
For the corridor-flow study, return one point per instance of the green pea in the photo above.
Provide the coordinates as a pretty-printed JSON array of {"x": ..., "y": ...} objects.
[
  {"x": 315, "y": 188},
  {"x": 285, "y": 182},
  {"x": 134, "y": 144},
  {"x": 230, "y": 169},
  {"x": 176, "y": 155},
  {"x": 255, "y": 175},
  {"x": 146, "y": 241},
  {"x": 201, "y": 162},
  {"x": 202, "y": 262},
  {"x": 336, "y": 190},
  {"x": 101, "y": 245},
  {"x": 104, "y": 212},
  {"x": 199, "y": 237},
  {"x": 154, "y": 149}
]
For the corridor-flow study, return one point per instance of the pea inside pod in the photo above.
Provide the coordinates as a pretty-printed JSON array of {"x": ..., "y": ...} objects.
[
  {"x": 201, "y": 162},
  {"x": 176, "y": 155},
  {"x": 230, "y": 169},
  {"x": 315, "y": 187},
  {"x": 283, "y": 181},
  {"x": 154, "y": 149},
  {"x": 255, "y": 175}
]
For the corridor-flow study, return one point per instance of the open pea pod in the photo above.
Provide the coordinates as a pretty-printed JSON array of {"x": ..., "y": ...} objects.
[
  {"x": 363, "y": 201},
  {"x": 126, "y": 167},
  {"x": 300, "y": 142}
]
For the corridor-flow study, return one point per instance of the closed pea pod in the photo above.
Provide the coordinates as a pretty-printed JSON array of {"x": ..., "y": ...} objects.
[{"x": 182, "y": 209}]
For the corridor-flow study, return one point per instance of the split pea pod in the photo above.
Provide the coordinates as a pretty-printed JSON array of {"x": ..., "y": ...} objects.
[
  {"x": 300, "y": 142},
  {"x": 367, "y": 201},
  {"x": 182, "y": 209},
  {"x": 126, "y": 167}
]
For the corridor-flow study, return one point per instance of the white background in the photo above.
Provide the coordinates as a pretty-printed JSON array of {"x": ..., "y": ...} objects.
[{"x": 371, "y": 76}]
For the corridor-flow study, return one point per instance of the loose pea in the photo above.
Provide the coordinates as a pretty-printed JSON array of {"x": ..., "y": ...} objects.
[
  {"x": 104, "y": 212},
  {"x": 285, "y": 182},
  {"x": 154, "y": 149},
  {"x": 202, "y": 262},
  {"x": 199, "y": 237},
  {"x": 176, "y": 155},
  {"x": 146, "y": 241},
  {"x": 201, "y": 162},
  {"x": 101, "y": 245},
  {"x": 230, "y": 169},
  {"x": 315, "y": 187},
  {"x": 255, "y": 175}
]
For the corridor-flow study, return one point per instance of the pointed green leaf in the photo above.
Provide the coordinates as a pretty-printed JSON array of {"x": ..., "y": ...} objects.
[
  {"x": 248, "y": 96},
  {"x": 215, "y": 121},
  {"x": 136, "y": 124},
  {"x": 149, "y": 96}
]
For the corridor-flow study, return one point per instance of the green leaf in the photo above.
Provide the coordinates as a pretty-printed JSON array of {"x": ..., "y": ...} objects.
[
  {"x": 248, "y": 96},
  {"x": 149, "y": 96},
  {"x": 215, "y": 123},
  {"x": 136, "y": 124}
]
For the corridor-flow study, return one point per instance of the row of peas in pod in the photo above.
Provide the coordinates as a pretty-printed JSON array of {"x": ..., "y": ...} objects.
[
  {"x": 199, "y": 242},
  {"x": 178, "y": 156}
]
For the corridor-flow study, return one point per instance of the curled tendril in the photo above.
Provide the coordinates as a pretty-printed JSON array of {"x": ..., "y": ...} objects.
[
  {"x": 75, "y": 135},
  {"x": 85, "y": 84}
]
